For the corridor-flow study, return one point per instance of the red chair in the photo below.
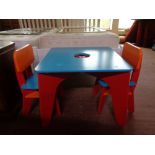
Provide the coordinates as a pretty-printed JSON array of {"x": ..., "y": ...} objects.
[
  {"x": 133, "y": 55},
  {"x": 23, "y": 58}
]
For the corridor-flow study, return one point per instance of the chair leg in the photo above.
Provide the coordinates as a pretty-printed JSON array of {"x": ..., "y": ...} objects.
[
  {"x": 58, "y": 110},
  {"x": 131, "y": 102},
  {"x": 101, "y": 102},
  {"x": 61, "y": 91},
  {"x": 27, "y": 103},
  {"x": 96, "y": 89}
]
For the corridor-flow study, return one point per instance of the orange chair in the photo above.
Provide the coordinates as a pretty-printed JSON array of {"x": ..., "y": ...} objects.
[
  {"x": 23, "y": 58},
  {"x": 133, "y": 55}
]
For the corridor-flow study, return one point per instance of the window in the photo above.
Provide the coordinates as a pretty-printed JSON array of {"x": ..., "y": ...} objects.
[
  {"x": 125, "y": 23},
  {"x": 118, "y": 26},
  {"x": 102, "y": 23},
  {"x": 124, "y": 26},
  {"x": 106, "y": 24}
]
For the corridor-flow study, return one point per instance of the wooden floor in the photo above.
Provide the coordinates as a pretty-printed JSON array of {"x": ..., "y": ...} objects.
[{"x": 79, "y": 109}]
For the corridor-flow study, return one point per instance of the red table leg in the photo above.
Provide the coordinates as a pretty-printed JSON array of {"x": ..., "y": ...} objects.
[
  {"x": 119, "y": 89},
  {"x": 48, "y": 85}
]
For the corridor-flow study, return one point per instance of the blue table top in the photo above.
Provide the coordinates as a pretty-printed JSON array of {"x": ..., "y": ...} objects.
[{"x": 100, "y": 59}]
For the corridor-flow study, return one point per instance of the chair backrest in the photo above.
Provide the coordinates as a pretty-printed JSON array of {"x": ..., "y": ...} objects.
[
  {"x": 23, "y": 58},
  {"x": 133, "y": 55}
]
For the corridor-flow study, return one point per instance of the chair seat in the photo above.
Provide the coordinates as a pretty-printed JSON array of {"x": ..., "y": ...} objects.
[
  {"x": 132, "y": 84},
  {"x": 31, "y": 83},
  {"x": 105, "y": 85}
]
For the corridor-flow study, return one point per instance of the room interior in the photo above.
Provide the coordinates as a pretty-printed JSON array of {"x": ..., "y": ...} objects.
[{"x": 78, "y": 105}]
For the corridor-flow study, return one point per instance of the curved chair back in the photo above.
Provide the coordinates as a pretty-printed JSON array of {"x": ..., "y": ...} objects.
[
  {"x": 133, "y": 55},
  {"x": 23, "y": 58}
]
